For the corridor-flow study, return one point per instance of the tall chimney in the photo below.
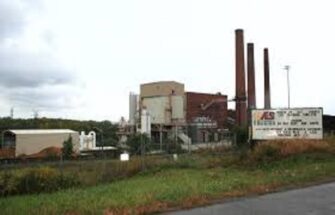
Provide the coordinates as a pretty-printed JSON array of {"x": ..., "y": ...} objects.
[
  {"x": 241, "y": 106},
  {"x": 251, "y": 77},
  {"x": 267, "y": 94}
]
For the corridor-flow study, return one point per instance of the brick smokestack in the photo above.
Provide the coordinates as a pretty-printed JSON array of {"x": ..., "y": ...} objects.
[
  {"x": 241, "y": 106},
  {"x": 267, "y": 93},
  {"x": 251, "y": 77}
]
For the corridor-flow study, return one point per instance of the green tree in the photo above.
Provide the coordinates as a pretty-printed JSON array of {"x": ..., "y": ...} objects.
[
  {"x": 137, "y": 140},
  {"x": 67, "y": 149}
]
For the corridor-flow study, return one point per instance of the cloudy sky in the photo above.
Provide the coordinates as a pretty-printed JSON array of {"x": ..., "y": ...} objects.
[{"x": 80, "y": 58}]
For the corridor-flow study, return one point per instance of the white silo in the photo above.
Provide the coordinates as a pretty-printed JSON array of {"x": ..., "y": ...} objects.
[{"x": 133, "y": 107}]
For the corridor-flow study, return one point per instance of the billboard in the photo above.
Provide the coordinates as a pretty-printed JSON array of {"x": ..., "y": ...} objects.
[{"x": 294, "y": 123}]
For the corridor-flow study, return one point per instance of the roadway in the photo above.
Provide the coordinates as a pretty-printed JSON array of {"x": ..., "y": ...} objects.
[{"x": 316, "y": 200}]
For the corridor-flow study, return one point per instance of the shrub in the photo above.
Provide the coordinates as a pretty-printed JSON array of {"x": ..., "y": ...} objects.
[
  {"x": 67, "y": 149},
  {"x": 8, "y": 184},
  {"x": 265, "y": 152},
  {"x": 136, "y": 141},
  {"x": 35, "y": 180},
  {"x": 275, "y": 149}
]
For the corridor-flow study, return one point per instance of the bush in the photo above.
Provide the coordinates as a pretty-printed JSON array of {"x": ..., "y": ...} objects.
[
  {"x": 67, "y": 149},
  {"x": 265, "y": 152},
  {"x": 275, "y": 149},
  {"x": 136, "y": 141},
  {"x": 8, "y": 184},
  {"x": 36, "y": 180}
]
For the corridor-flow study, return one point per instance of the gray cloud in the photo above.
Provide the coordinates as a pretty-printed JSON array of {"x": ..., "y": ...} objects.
[
  {"x": 48, "y": 98},
  {"x": 19, "y": 69},
  {"x": 32, "y": 79},
  {"x": 37, "y": 81}
]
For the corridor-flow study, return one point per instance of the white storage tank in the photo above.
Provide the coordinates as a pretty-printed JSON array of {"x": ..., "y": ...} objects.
[{"x": 133, "y": 107}]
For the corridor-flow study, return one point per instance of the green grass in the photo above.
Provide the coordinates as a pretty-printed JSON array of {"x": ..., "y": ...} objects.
[{"x": 186, "y": 184}]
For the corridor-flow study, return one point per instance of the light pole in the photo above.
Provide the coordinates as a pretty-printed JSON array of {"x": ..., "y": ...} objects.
[{"x": 287, "y": 68}]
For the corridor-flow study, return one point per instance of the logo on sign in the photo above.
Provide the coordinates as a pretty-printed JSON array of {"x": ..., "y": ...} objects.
[{"x": 266, "y": 115}]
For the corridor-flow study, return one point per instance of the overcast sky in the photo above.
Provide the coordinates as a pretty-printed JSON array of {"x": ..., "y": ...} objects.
[{"x": 80, "y": 58}]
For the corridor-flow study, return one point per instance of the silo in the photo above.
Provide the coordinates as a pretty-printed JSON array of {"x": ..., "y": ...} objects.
[{"x": 133, "y": 107}]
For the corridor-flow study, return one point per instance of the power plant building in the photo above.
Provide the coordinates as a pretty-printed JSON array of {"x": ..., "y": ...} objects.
[
  {"x": 189, "y": 116},
  {"x": 198, "y": 116}
]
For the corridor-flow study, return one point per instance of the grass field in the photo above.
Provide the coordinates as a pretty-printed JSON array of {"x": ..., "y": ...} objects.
[
  {"x": 194, "y": 180},
  {"x": 186, "y": 187}
]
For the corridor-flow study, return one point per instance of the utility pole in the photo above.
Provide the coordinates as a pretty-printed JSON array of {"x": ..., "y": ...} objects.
[{"x": 287, "y": 68}]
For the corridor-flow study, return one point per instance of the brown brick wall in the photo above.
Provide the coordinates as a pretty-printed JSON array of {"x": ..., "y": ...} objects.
[{"x": 217, "y": 111}]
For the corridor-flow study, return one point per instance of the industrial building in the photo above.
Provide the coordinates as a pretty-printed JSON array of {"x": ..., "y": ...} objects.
[
  {"x": 172, "y": 113},
  {"x": 165, "y": 110},
  {"x": 30, "y": 142}
]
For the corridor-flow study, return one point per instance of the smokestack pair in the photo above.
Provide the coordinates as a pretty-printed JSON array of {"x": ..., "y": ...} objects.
[{"x": 241, "y": 106}]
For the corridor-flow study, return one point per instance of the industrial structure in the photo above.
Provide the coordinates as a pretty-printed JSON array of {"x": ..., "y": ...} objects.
[
  {"x": 267, "y": 97},
  {"x": 251, "y": 77},
  {"x": 165, "y": 111},
  {"x": 30, "y": 142},
  {"x": 246, "y": 101},
  {"x": 240, "y": 98}
]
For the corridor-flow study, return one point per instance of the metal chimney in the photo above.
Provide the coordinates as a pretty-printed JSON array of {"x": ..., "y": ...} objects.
[
  {"x": 251, "y": 77},
  {"x": 241, "y": 106},
  {"x": 267, "y": 94}
]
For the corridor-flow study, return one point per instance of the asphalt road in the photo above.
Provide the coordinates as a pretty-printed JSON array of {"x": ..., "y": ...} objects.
[{"x": 317, "y": 200}]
